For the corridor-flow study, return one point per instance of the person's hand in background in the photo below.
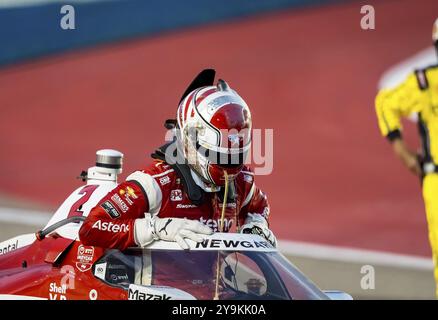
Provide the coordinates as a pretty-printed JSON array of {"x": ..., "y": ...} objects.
[{"x": 408, "y": 157}]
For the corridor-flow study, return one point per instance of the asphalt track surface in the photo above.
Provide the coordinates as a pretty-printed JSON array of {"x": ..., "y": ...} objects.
[{"x": 309, "y": 74}]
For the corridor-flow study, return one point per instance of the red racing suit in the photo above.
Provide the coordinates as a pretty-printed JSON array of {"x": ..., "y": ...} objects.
[{"x": 158, "y": 191}]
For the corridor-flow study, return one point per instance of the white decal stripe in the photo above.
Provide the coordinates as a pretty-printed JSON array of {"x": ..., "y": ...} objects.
[
  {"x": 189, "y": 99},
  {"x": 151, "y": 188},
  {"x": 249, "y": 196},
  {"x": 180, "y": 113},
  {"x": 203, "y": 90},
  {"x": 190, "y": 108}
]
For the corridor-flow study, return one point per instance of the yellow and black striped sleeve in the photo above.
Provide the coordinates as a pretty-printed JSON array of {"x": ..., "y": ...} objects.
[{"x": 401, "y": 101}]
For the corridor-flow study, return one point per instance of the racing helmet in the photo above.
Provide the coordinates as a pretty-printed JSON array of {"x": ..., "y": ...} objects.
[{"x": 214, "y": 132}]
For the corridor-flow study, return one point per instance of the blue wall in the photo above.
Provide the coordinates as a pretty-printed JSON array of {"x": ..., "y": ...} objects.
[{"x": 28, "y": 32}]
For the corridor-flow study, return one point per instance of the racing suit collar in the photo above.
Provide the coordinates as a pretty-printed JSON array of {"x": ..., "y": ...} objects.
[{"x": 207, "y": 187}]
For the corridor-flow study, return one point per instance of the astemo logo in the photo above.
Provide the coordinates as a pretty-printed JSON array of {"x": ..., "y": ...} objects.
[{"x": 226, "y": 148}]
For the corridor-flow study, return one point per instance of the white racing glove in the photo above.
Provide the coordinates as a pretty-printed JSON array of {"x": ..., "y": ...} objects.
[
  {"x": 169, "y": 229},
  {"x": 256, "y": 224}
]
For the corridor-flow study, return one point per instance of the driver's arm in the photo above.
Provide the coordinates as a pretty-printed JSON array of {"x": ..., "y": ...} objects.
[
  {"x": 254, "y": 215},
  {"x": 128, "y": 216},
  {"x": 113, "y": 222}
]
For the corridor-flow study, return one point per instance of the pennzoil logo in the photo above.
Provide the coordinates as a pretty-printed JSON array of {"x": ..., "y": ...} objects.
[{"x": 84, "y": 259}]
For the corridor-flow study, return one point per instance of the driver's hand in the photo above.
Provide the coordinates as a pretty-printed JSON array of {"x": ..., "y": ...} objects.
[
  {"x": 177, "y": 229},
  {"x": 256, "y": 224}
]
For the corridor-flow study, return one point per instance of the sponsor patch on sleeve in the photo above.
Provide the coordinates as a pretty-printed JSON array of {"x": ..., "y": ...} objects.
[{"x": 110, "y": 209}]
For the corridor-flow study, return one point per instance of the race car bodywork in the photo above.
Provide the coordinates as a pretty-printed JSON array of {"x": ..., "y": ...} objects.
[
  {"x": 54, "y": 264},
  {"x": 224, "y": 266}
]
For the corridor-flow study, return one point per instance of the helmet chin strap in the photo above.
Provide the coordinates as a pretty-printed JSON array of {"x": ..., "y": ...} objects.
[
  {"x": 204, "y": 184},
  {"x": 224, "y": 206}
]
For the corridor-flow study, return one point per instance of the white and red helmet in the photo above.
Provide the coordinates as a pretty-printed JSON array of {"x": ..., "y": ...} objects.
[{"x": 214, "y": 131}]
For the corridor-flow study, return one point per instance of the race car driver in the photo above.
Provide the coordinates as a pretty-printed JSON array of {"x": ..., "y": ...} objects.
[
  {"x": 417, "y": 94},
  {"x": 197, "y": 183}
]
